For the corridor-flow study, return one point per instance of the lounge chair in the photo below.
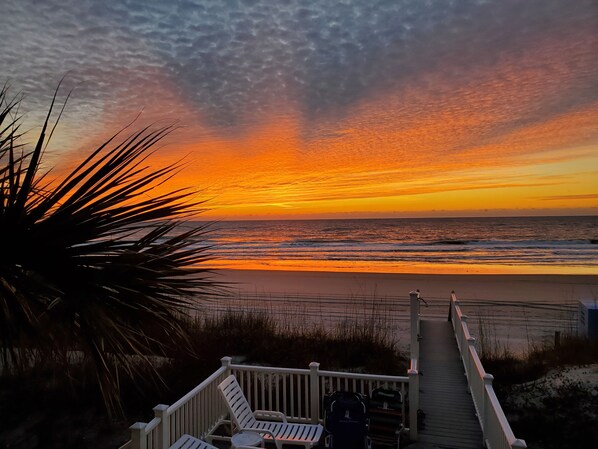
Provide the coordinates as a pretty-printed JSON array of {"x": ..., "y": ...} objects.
[
  {"x": 189, "y": 442},
  {"x": 279, "y": 433}
]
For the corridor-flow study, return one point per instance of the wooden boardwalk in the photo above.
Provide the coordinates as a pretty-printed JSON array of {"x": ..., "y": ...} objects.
[{"x": 450, "y": 420}]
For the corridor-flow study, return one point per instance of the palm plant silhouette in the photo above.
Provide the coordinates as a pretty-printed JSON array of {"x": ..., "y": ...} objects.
[{"x": 95, "y": 262}]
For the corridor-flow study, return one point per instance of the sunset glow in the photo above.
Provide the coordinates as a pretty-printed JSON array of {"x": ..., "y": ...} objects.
[{"x": 439, "y": 112}]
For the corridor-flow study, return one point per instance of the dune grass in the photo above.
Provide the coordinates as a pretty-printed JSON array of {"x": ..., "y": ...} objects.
[
  {"x": 509, "y": 369},
  {"x": 544, "y": 401},
  {"x": 40, "y": 408}
]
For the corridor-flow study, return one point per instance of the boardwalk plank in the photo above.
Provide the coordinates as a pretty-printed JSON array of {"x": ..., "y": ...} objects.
[{"x": 451, "y": 421}]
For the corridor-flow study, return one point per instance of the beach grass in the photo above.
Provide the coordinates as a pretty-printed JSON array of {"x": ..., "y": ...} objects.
[
  {"x": 544, "y": 392},
  {"x": 509, "y": 368},
  {"x": 48, "y": 409}
]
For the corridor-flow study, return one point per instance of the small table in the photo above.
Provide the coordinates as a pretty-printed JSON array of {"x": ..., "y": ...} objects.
[{"x": 246, "y": 438}]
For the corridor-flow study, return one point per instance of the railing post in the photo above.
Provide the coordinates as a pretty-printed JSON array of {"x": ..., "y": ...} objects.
[
  {"x": 314, "y": 387},
  {"x": 467, "y": 363},
  {"x": 413, "y": 402},
  {"x": 226, "y": 362},
  {"x": 460, "y": 335},
  {"x": 455, "y": 318},
  {"x": 414, "y": 309},
  {"x": 413, "y": 371},
  {"x": 164, "y": 426},
  {"x": 138, "y": 440},
  {"x": 451, "y": 312},
  {"x": 488, "y": 378},
  {"x": 519, "y": 444}
]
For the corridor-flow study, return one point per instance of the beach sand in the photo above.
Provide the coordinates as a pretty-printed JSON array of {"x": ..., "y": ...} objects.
[
  {"x": 513, "y": 311},
  {"x": 508, "y": 287}
]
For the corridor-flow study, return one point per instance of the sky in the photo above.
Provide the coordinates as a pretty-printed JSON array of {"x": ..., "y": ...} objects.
[{"x": 324, "y": 109}]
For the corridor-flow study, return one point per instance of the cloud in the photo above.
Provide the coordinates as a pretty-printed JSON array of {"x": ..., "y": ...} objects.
[
  {"x": 236, "y": 61},
  {"x": 346, "y": 99},
  {"x": 588, "y": 196}
]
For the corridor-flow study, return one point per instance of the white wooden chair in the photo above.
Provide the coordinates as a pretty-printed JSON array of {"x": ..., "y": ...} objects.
[
  {"x": 189, "y": 442},
  {"x": 277, "y": 432}
]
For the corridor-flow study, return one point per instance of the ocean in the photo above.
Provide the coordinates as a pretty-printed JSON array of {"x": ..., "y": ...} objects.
[
  {"x": 521, "y": 245},
  {"x": 563, "y": 245}
]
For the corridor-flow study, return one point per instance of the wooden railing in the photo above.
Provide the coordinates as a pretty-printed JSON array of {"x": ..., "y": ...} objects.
[
  {"x": 495, "y": 427},
  {"x": 298, "y": 393},
  {"x": 413, "y": 373},
  {"x": 331, "y": 381},
  {"x": 197, "y": 413},
  {"x": 278, "y": 389}
]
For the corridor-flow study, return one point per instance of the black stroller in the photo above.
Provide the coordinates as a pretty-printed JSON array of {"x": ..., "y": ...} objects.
[{"x": 346, "y": 421}]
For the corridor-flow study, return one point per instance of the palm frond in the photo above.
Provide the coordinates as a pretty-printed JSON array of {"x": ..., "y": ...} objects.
[{"x": 96, "y": 261}]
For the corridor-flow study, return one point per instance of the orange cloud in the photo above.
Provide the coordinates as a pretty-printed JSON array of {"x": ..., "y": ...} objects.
[{"x": 502, "y": 137}]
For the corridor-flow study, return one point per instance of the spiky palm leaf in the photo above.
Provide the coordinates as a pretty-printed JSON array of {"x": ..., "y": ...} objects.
[{"x": 93, "y": 262}]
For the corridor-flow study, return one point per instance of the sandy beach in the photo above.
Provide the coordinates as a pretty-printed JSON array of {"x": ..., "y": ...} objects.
[
  {"x": 525, "y": 288},
  {"x": 515, "y": 311}
]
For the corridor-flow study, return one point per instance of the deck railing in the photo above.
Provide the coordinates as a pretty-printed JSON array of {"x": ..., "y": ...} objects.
[
  {"x": 298, "y": 393},
  {"x": 197, "y": 413},
  {"x": 495, "y": 427},
  {"x": 413, "y": 373}
]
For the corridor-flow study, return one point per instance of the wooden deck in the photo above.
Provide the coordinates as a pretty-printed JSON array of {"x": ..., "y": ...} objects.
[{"x": 450, "y": 420}]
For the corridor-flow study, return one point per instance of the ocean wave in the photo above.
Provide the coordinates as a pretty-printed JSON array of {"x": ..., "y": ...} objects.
[
  {"x": 452, "y": 242},
  {"x": 564, "y": 241},
  {"x": 321, "y": 241},
  {"x": 528, "y": 243}
]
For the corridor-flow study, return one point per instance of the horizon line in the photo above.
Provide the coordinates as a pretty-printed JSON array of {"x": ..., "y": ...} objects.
[{"x": 220, "y": 220}]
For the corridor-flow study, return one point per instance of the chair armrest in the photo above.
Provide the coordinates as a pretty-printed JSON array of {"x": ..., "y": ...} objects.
[
  {"x": 268, "y": 414},
  {"x": 260, "y": 431}
]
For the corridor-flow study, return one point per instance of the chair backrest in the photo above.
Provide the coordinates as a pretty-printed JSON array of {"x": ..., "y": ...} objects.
[{"x": 239, "y": 408}]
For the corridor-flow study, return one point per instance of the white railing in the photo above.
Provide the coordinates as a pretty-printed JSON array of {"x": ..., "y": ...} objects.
[
  {"x": 298, "y": 393},
  {"x": 145, "y": 435},
  {"x": 197, "y": 413},
  {"x": 331, "y": 381},
  {"x": 495, "y": 427},
  {"x": 278, "y": 389},
  {"x": 414, "y": 304}
]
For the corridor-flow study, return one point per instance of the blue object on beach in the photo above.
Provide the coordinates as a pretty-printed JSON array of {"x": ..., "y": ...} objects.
[{"x": 587, "y": 325}]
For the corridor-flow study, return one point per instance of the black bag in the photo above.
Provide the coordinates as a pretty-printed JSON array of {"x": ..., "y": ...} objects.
[
  {"x": 386, "y": 416},
  {"x": 346, "y": 420}
]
